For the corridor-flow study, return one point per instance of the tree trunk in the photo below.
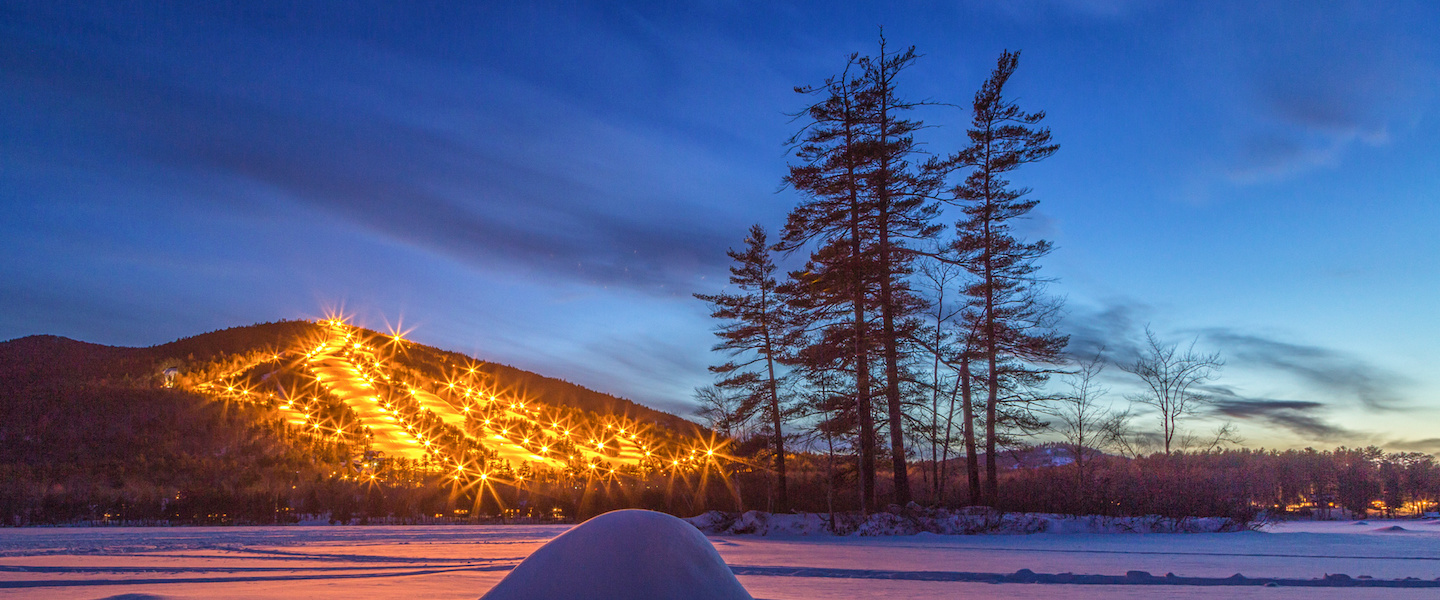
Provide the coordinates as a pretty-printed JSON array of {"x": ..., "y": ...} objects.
[
  {"x": 935, "y": 430},
  {"x": 782, "y": 502},
  {"x": 945, "y": 447},
  {"x": 972, "y": 459},
  {"x": 935, "y": 485},
  {"x": 892, "y": 373},
  {"x": 866, "y": 416},
  {"x": 992, "y": 476},
  {"x": 992, "y": 375},
  {"x": 889, "y": 339}
]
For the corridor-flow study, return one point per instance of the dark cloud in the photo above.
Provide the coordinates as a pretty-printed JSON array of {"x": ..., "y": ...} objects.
[
  {"x": 1321, "y": 370},
  {"x": 1346, "y": 92},
  {"x": 1428, "y": 446},
  {"x": 1303, "y": 418},
  {"x": 476, "y": 201},
  {"x": 1333, "y": 378},
  {"x": 1276, "y": 153},
  {"x": 1118, "y": 327}
]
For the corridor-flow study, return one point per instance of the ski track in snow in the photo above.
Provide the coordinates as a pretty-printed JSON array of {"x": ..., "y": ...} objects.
[{"x": 464, "y": 561}]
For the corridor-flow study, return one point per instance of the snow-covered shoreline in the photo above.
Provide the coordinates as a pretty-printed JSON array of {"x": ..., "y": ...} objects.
[{"x": 941, "y": 521}]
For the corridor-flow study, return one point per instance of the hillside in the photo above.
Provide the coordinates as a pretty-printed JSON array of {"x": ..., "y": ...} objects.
[
  {"x": 42, "y": 359},
  {"x": 213, "y": 423}
]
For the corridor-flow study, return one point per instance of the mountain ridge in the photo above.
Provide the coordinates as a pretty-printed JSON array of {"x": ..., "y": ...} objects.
[{"x": 81, "y": 356}]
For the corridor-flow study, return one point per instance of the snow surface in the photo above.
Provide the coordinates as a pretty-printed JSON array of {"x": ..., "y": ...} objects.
[
  {"x": 622, "y": 555},
  {"x": 466, "y": 561}
]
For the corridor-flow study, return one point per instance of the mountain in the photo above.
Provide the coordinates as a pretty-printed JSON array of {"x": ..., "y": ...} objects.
[{"x": 251, "y": 423}]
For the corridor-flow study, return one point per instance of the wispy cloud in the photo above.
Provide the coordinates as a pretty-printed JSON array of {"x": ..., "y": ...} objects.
[
  {"x": 1114, "y": 327},
  {"x": 669, "y": 370},
  {"x": 1318, "y": 381},
  {"x": 1318, "y": 372}
]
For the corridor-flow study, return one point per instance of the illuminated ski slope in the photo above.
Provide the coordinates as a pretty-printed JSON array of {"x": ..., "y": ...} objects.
[
  {"x": 406, "y": 414},
  {"x": 343, "y": 379}
]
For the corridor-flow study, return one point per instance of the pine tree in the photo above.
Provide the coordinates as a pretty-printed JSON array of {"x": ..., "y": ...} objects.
[
  {"x": 1015, "y": 319},
  {"x": 835, "y": 212},
  {"x": 868, "y": 199},
  {"x": 901, "y": 192},
  {"x": 754, "y": 333}
]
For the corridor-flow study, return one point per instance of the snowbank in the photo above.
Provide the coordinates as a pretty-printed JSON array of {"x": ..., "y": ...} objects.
[
  {"x": 625, "y": 554},
  {"x": 971, "y": 520}
]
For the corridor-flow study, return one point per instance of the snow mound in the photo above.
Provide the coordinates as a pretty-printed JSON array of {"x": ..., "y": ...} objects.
[
  {"x": 625, "y": 554},
  {"x": 1391, "y": 528},
  {"x": 966, "y": 521},
  {"x": 135, "y": 597}
]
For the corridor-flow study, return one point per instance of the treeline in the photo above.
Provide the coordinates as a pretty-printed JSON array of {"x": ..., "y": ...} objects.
[
  {"x": 79, "y": 453},
  {"x": 1344, "y": 483},
  {"x": 1243, "y": 484}
]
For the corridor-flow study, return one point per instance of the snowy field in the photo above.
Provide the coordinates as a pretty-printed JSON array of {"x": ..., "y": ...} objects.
[{"x": 465, "y": 561}]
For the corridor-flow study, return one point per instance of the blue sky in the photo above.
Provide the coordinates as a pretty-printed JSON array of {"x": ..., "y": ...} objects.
[{"x": 545, "y": 185}]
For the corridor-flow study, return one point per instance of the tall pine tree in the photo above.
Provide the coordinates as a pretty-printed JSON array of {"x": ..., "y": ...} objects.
[
  {"x": 1014, "y": 320},
  {"x": 901, "y": 192},
  {"x": 754, "y": 333},
  {"x": 835, "y": 213},
  {"x": 868, "y": 198}
]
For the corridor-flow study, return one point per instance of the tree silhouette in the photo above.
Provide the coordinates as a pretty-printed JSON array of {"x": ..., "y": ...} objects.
[
  {"x": 754, "y": 334},
  {"x": 1171, "y": 378},
  {"x": 835, "y": 212},
  {"x": 1015, "y": 319},
  {"x": 901, "y": 194}
]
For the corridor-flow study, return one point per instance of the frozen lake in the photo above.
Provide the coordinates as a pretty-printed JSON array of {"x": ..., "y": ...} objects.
[{"x": 465, "y": 561}]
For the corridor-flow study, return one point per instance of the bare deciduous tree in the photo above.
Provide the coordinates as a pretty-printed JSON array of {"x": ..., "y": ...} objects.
[
  {"x": 1224, "y": 433},
  {"x": 723, "y": 412},
  {"x": 936, "y": 277},
  {"x": 1172, "y": 378},
  {"x": 1088, "y": 423}
]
